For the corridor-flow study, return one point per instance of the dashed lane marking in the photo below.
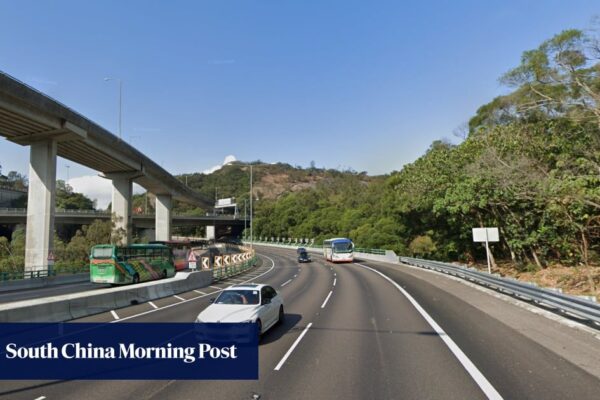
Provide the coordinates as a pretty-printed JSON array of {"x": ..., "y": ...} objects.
[
  {"x": 326, "y": 299},
  {"x": 188, "y": 300},
  {"x": 291, "y": 349}
]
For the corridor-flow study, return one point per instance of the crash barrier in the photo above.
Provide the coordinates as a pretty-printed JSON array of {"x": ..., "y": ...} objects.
[
  {"x": 233, "y": 264},
  {"x": 45, "y": 281},
  {"x": 566, "y": 304},
  {"x": 78, "y": 305}
]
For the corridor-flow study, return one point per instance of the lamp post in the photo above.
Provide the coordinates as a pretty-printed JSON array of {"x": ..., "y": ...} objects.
[
  {"x": 251, "y": 196},
  {"x": 120, "y": 100}
]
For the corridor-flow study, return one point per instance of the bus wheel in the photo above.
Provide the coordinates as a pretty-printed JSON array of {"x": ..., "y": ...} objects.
[
  {"x": 136, "y": 279},
  {"x": 164, "y": 274}
]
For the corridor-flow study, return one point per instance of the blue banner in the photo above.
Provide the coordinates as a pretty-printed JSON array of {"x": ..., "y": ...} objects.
[{"x": 128, "y": 351}]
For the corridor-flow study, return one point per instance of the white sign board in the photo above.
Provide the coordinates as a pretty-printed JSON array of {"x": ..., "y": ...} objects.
[{"x": 486, "y": 235}]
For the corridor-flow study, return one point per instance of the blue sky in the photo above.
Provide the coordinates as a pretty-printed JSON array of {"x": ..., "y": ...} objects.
[{"x": 361, "y": 84}]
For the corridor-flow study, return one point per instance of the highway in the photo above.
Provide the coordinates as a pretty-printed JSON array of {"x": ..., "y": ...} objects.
[{"x": 352, "y": 333}]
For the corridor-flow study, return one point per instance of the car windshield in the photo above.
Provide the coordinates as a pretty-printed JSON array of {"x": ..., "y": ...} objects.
[
  {"x": 342, "y": 247},
  {"x": 238, "y": 297}
]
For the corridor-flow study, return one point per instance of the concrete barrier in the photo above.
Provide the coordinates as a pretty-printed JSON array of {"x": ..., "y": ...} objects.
[
  {"x": 36, "y": 283},
  {"x": 77, "y": 305}
]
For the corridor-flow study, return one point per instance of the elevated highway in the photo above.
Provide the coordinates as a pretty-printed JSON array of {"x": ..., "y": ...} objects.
[
  {"x": 86, "y": 217},
  {"x": 30, "y": 118}
]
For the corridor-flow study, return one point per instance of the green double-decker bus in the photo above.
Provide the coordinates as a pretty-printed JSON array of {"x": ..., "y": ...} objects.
[{"x": 120, "y": 265}]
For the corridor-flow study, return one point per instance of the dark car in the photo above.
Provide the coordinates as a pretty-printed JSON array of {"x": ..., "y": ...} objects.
[
  {"x": 303, "y": 257},
  {"x": 300, "y": 250}
]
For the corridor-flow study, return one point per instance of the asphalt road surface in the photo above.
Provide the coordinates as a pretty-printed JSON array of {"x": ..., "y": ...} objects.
[{"x": 352, "y": 333}]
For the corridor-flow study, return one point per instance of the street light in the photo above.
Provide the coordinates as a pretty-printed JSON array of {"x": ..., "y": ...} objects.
[{"x": 120, "y": 99}]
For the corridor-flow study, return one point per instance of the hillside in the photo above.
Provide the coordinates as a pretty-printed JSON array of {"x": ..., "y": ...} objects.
[{"x": 271, "y": 181}]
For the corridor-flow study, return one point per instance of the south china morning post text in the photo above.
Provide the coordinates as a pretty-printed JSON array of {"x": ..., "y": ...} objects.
[
  {"x": 128, "y": 351},
  {"x": 78, "y": 351}
]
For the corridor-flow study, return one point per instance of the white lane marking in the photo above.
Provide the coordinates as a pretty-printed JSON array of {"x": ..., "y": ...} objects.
[
  {"x": 179, "y": 297},
  {"x": 285, "y": 357},
  {"x": 295, "y": 276},
  {"x": 326, "y": 299},
  {"x": 286, "y": 282},
  {"x": 199, "y": 292},
  {"x": 216, "y": 287},
  {"x": 334, "y": 281},
  {"x": 114, "y": 314},
  {"x": 41, "y": 398},
  {"x": 152, "y": 304},
  {"x": 334, "y": 274},
  {"x": 467, "y": 364},
  {"x": 192, "y": 299}
]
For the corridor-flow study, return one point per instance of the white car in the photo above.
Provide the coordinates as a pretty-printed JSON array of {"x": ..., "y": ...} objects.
[{"x": 246, "y": 303}]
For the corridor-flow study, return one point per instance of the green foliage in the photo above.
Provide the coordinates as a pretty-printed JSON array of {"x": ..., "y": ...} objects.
[
  {"x": 67, "y": 199},
  {"x": 422, "y": 246}
]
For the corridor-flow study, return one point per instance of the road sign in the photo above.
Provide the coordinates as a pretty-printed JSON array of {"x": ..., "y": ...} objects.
[
  {"x": 192, "y": 261},
  {"x": 486, "y": 235},
  {"x": 205, "y": 263}
]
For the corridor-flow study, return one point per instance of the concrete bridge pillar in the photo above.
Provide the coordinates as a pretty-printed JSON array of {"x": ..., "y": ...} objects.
[
  {"x": 122, "y": 207},
  {"x": 163, "y": 209},
  {"x": 39, "y": 237}
]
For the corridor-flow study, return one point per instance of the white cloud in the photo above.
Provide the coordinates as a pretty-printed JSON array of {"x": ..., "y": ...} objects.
[
  {"x": 229, "y": 159},
  {"x": 97, "y": 188}
]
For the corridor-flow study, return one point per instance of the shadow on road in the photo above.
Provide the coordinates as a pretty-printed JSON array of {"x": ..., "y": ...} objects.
[{"x": 289, "y": 324}]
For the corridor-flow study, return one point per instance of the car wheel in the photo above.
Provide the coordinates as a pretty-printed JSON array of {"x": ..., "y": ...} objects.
[
  {"x": 259, "y": 326},
  {"x": 281, "y": 315}
]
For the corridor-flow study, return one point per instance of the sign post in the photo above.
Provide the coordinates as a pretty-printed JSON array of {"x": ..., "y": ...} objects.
[{"x": 486, "y": 235}]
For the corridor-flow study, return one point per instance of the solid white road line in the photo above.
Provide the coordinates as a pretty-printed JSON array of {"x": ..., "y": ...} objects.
[
  {"x": 326, "y": 299},
  {"x": 152, "y": 304},
  {"x": 286, "y": 282},
  {"x": 179, "y": 297},
  {"x": 216, "y": 287},
  {"x": 334, "y": 281},
  {"x": 285, "y": 357},
  {"x": 467, "y": 364},
  {"x": 114, "y": 314},
  {"x": 200, "y": 292},
  {"x": 41, "y": 398},
  {"x": 192, "y": 299}
]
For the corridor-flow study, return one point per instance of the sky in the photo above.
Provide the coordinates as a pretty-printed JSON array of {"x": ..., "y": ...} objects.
[{"x": 367, "y": 85}]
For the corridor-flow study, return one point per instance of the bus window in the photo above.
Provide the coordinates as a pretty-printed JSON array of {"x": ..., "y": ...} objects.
[{"x": 102, "y": 252}]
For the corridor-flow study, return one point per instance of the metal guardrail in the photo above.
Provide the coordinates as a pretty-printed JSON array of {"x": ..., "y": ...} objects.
[
  {"x": 227, "y": 271},
  {"x": 379, "y": 252},
  {"x": 570, "y": 305},
  {"x": 42, "y": 273}
]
